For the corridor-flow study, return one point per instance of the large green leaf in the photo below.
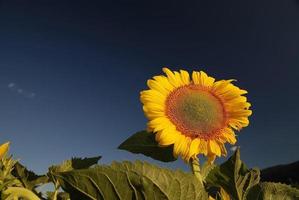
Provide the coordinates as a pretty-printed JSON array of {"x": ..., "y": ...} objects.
[
  {"x": 273, "y": 191},
  {"x": 144, "y": 143},
  {"x": 126, "y": 180},
  {"x": 233, "y": 176}
]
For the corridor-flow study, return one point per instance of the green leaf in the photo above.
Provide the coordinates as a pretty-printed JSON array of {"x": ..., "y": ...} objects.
[
  {"x": 144, "y": 142},
  {"x": 75, "y": 163},
  {"x": 7, "y": 164},
  {"x": 28, "y": 178},
  {"x": 273, "y": 191},
  {"x": 234, "y": 177},
  {"x": 205, "y": 170},
  {"x": 60, "y": 196},
  {"x": 69, "y": 165},
  {"x": 127, "y": 180}
]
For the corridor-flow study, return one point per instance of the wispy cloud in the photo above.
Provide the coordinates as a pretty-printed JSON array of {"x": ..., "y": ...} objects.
[{"x": 20, "y": 91}]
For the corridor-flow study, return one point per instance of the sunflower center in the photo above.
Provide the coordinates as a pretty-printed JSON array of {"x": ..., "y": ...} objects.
[{"x": 195, "y": 111}]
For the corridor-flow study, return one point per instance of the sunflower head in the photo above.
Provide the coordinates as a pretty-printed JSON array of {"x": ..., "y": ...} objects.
[{"x": 197, "y": 114}]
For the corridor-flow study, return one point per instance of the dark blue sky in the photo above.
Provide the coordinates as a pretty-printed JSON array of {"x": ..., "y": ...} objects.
[{"x": 71, "y": 71}]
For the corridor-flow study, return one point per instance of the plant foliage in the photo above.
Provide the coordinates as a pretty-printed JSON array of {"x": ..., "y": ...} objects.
[
  {"x": 127, "y": 180},
  {"x": 84, "y": 179},
  {"x": 144, "y": 142}
]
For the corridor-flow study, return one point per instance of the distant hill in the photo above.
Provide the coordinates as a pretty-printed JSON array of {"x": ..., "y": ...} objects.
[{"x": 288, "y": 174}]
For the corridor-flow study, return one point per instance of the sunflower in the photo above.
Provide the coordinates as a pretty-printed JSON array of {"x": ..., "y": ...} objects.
[{"x": 196, "y": 114}]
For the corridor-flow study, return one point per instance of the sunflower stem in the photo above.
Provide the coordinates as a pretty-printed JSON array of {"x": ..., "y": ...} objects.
[{"x": 194, "y": 163}]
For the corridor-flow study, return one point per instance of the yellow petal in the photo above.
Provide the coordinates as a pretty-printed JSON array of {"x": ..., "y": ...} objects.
[
  {"x": 223, "y": 149},
  {"x": 214, "y": 147},
  {"x": 201, "y": 78},
  {"x": 164, "y": 82},
  {"x": 240, "y": 113},
  {"x": 174, "y": 78},
  {"x": 229, "y": 135},
  {"x": 194, "y": 147},
  {"x": 185, "y": 77},
  {"x": 203, "y": 147},
  {"x": 237, "y": 105},
  {"x": 155, "y": 85},
  {"x": 196, "y": 78},
  {"x": 152, "y": 96},
  {"x": 211, "y": 158},
  {"x": 159, "y": 123},
  {"x": 152, "y": 114},
  {"x": 155, "y": 107},
  {"x": 178, "y": 78},
  {"x": 206, "y": 80},
  {"x": 240, "y": 99},
  {"x": 3, "y": 149},
  {"x": 238, "y": 123},
  {"x": 166, "y": 137},
  {"x": 219, "y": 86},
  {"x": 181, "y": 147}
]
